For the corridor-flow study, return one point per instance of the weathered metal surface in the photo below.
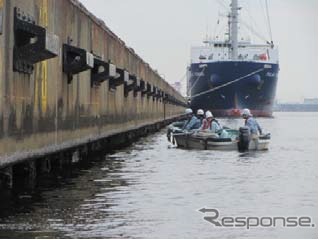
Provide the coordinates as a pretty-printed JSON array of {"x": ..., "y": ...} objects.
[{"x": 42, "y": 110}]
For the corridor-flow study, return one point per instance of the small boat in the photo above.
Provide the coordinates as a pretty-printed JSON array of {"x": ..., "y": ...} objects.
[
  {"x": 174, "y": 128},
  {"x": 237, "y": 140}
]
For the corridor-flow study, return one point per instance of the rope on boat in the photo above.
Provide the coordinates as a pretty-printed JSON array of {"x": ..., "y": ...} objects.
[{"x": 226, "y": 84}]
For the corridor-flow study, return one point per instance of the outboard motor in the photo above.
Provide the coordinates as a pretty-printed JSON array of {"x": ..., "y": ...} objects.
[
  {"x": 244, "y": 139},
  {"x": 168, "y": 134}
]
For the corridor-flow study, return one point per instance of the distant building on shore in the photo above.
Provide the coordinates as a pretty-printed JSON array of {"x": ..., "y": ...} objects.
[{"x": 308, "y": 105}]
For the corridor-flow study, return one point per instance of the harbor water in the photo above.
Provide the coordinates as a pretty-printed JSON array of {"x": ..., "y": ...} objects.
[{"x": 154, "y": 190}]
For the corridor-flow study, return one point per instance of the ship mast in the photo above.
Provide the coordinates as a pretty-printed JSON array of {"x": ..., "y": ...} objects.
[{"x": 234, "y": 28}]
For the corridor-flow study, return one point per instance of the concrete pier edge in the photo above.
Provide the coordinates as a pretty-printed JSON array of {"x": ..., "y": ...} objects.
[{"x": 19, "y": 157}]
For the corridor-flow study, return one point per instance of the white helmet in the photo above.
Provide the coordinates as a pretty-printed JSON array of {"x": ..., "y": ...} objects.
[
  {"x": 189, "y": 111},
  {"x": 209, "y": 114},
  {"x": 200, "y": 112},
  {"x": 246, "y": 112}
]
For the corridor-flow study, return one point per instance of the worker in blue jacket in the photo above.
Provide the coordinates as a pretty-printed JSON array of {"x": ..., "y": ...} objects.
[
  {"x": 253, "y": 126},
  {"x": 251, "y": 123},
  {"x": 192, "y": 121},
  {"x": 200, "y": 116}
]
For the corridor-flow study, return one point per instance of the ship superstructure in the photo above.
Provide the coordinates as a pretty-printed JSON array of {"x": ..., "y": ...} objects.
[{"x": 226, "y": 76}]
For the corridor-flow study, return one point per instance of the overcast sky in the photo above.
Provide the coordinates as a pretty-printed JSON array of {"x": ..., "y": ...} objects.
[{"x": 162, "y": 32}]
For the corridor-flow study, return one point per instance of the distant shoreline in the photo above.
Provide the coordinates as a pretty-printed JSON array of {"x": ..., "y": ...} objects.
[
  {"x": 296, "y": 107},
  {"x": 292, "y": 111}
]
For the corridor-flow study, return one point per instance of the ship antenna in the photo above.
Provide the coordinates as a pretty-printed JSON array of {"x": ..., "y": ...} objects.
[
  {"x": 234, "y": 28},
  {"x": 269, "y": 23},
  {"x": 206, "y": 31}
]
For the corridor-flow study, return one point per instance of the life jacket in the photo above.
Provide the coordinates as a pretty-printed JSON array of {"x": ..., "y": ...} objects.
[
  {"x": 205, "y": 124},
  {"x": 210, "y": 123}
]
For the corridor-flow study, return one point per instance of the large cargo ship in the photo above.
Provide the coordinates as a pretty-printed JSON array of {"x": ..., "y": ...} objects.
[{"x": 228, "y": 75}]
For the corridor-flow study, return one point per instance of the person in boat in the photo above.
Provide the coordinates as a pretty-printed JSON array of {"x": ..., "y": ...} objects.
[
  {"x": 210, "y": 123},
  {"x": 253, "y": 125},
  {"x": 192, "y": 121},
  {"x": 200, "y": 117}
]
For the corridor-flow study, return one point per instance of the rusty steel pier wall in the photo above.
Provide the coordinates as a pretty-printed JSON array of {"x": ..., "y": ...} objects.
[{"x": 46, "y": 109}]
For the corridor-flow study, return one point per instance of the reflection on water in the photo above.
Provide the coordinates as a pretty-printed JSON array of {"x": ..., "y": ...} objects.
[{"x": 153, "y": 189}]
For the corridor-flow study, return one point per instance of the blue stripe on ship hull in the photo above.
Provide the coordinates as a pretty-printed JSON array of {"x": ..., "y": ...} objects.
[{"x": 255, "y": 92}]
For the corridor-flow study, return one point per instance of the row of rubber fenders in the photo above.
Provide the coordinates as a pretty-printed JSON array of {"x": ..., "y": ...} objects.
[{"x": 33, "y": 44}]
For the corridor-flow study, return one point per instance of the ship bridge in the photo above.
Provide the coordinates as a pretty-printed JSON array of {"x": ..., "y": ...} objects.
[{"x": 215, "y": 51}]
